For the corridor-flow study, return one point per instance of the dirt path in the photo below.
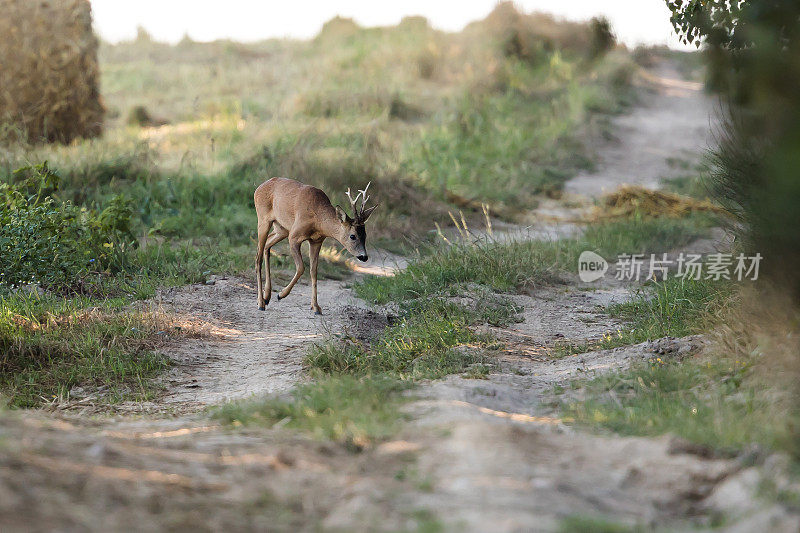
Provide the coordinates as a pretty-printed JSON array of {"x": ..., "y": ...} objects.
[
  {"x": 478, "y": 455},
  {"x": 664, "y": 136},
  {"x": 246, "y": 351},
  {"x": 250, "y": 352}
]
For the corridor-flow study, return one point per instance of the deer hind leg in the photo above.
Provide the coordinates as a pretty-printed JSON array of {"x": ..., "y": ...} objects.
[
  {"x": 314, "y": 260},
  {"x": 278, "y": 235},
  {"x": 294, "y": 247},
  {"x": 263, "y": 231}
]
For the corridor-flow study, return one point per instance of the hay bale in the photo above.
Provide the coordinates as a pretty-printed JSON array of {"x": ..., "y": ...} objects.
[
  {"x": 631, "y": 200},
  {"x": 50, "y": 72}
]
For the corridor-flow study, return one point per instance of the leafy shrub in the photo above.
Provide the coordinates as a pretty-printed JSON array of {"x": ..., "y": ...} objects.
[{"x": 53, "y": 243}]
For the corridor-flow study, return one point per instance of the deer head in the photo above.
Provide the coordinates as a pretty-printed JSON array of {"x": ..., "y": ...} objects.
[{"x": 354, "y": 237}]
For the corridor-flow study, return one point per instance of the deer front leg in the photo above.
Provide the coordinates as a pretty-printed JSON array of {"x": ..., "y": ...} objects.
[
  {"x": 314, "y": 260},
  {"x": 294, "y": 247}
]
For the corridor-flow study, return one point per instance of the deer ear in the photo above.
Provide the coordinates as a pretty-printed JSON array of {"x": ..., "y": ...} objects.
[
  {"x": 342, "y": 215},
  {"x": 366, "y": 213}
]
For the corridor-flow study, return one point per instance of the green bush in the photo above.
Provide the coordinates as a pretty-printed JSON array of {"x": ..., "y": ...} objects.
[
  {"x": 753, "y": 59},
  {"x": 51, "y": 243}
]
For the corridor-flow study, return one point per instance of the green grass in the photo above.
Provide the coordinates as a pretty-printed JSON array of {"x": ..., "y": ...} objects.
[
  {"x": 506, "y": 266},
  {"x": 708, "y": 401},
  {"x": 676, "y": 307},
  {"x": 644, "y": 235},
  {"x": 348, "y": 409},
  {"x": 498, "y": 266},
  {"x": 506, "y": 148},
  {"x": 718, "y": 399},
  {"x": 51, "y": 344},
  {"x": 420, "y": 345}
]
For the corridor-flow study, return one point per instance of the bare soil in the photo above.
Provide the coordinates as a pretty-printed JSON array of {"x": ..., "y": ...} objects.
[{"x": 477, "y": 455}]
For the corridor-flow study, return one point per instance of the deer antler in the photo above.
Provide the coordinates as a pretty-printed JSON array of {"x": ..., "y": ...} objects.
[
  {"x": 362, "y": 193},
  {"x": 364, "y": 196},
  {"x": 353, "y": 202}
]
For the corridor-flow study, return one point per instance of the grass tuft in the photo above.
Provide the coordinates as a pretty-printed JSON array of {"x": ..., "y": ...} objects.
[
  {"x": 423, "y": 345},
  {"x": 348, "y": 409}
]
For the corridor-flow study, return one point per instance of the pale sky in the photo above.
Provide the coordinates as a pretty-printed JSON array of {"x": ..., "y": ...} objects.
[{"x": 634, "y": 21}]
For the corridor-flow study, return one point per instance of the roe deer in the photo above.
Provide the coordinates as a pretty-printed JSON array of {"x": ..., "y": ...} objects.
[{"x": 304, "y": 213}]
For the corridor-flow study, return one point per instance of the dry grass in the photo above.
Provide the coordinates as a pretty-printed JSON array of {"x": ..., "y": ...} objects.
[
  {"x": 632, "y": 200},
  {"x": 763, "y": 330},
  {"x": 50, "y": 71}
]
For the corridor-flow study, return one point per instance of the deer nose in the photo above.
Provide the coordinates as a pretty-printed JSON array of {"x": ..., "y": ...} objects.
[{"x": 363, "y": 257}]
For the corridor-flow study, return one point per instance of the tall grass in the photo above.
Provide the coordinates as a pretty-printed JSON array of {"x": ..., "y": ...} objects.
[
  {"x": 348, "y": 107},
  {"x": 50, "y": 345}
]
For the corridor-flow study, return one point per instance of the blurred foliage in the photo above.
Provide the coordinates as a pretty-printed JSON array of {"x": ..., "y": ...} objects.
[{"x": 753, "y": 55}]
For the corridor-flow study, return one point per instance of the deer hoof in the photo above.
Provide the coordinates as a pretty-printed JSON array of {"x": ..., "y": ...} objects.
[
  {"x": 278, "y": 296},
  {"x": 318, "y": 313},
  {"x": 262, "y": 308}
]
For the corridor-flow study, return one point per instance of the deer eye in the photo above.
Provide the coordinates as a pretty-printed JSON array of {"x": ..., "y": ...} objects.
[{"x": 352, "y": 237}]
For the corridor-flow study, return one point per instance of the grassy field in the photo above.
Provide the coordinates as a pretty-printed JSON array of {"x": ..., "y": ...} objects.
[
  {"x": 496, "y": 114},
  {"x": 499, "y": 113},
  {"x": 427, "y": 116}
]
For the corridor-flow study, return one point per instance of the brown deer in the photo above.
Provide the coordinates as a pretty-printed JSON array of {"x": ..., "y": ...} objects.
[{"x": 304, "y": 213}]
